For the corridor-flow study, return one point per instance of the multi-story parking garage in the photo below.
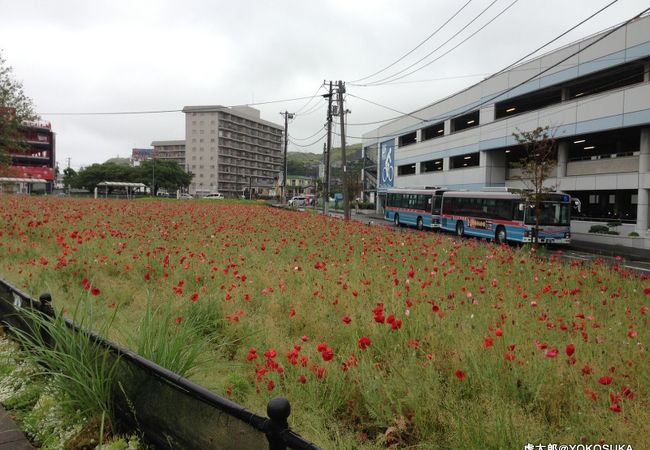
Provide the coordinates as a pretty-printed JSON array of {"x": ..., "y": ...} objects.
[{"x": 594, "y": 95}]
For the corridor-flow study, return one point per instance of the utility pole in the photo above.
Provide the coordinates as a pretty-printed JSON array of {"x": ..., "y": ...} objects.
[
  {"x": 287, "y": 115},
  {"x": 346, "y": 195},
  {"x": 328, "y": 151},
  {"x": 153, "y": 176}
]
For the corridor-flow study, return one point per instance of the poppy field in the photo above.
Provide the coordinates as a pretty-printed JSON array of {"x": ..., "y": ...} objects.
[{"x": 379, "y": 337}]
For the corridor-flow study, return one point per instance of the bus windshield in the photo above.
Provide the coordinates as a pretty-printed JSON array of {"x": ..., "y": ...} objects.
[{"x": 552, "y": 213}]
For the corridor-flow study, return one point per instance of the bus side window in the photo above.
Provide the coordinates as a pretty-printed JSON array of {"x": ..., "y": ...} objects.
[{"x": 518, "y": 211}]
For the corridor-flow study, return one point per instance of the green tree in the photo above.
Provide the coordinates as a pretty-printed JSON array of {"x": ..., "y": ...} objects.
[
  {"x": 168, "y": 175},
  {"x": 69, "y": 177},
  {"x": 15, "y": 109},
  {"x": 91, "y": 176},
  {"x": 536, "y": 167}
]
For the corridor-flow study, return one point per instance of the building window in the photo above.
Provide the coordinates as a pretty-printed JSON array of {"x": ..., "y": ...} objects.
[
  {"x": 433, "y": 131},
  {"x": 465, "y": 121},
  {"x": 407, "y": 139},
  {"x": 462, "y": 161},
  {"x": 433, "y": 165},
  {"x": 407, "y": 169}
]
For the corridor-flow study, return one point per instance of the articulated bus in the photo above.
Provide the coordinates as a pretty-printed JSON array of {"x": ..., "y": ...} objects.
[
  {"x": 505, "y": 216},
  {"x": 417, "y": 207}
]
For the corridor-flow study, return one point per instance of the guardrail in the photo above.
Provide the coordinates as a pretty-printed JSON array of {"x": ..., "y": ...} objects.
[{"x": 171, "y": 411}]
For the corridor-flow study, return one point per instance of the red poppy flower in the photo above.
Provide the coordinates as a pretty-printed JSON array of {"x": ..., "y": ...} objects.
[
  {"x": 328, "y": 354},
  {"x": 488, "y": 342},
  {"x": 498, "y": 332},
  {"x": 346, "y": 319},
  {"x": 615, "y": 407},
  {"x": 627, "y": 392},
  {"x": 270, "y": 385},
  {"x": 510, "y": 356},
  {"x": 147, "y": 276},
  {"x": 302, "y": 379},
  {"x": 179, "y": 320},
  {"x": 95, "y": 291},
  {"x": 605, "y": 380},
  {"x": 552, "y": 352},
  {"x": 252, "y": 354},
  {"x": 364, "y": 342},
  {"x": 460, "y": 375},
  {"x": 570, "y": 350}
]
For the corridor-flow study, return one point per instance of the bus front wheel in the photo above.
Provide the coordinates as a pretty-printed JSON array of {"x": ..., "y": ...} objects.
[
  {"x": 396, "y": 220},
  {"x": 501, "y": 237},
  {"x": 460, "y": 228},
  {"x": 420, "y": 224}
]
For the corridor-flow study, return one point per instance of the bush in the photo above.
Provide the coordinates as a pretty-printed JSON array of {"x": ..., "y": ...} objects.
[
  {"x": 599, "y": 229},
  {"x": 366, "y": 205},
  {"x": 633, "y": 234},
  {"x": 76, "y": 365}
]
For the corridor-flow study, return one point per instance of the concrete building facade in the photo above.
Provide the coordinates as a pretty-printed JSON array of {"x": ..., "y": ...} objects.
[
  {"x": 229, "y": 149},
  {"x": 170, "y": 151},
  {"x": 593, "y": 94}
]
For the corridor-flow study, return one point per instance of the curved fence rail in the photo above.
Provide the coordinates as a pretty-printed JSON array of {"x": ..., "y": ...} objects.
[{"x": 171, "y": 411}]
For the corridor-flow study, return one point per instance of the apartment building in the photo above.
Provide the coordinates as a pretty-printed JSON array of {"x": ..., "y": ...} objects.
[
  {"x": 593, "y": 94},
  {"x": 170, "y": 151},
  {"x": 229, "y": 149}
]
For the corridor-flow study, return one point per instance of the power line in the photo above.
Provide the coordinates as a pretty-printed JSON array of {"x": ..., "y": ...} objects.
[
  {"x": 489, "y": 99},
  {"x": 310, "y": 100},
  {"x": 434, "y": 50},
  {"x": 110, "y": 113},
  {"x": 307, "y": 138},
  {"x": 514, "y": 63},
  {"x": 452, "y": 77},
  {"x": 417, "y": 46},
  {"x": 116, "y": 113},
  {"x": 387, "y": 107},
  {"x": 313, "y": 109},
  {"x": 311, "y": 143},
  {"x": 395, "y": 76}
]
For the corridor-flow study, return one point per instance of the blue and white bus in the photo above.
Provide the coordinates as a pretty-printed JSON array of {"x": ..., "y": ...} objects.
[
  {"x": 505, "y": 216},
  {"x": 416, "y": 207}
]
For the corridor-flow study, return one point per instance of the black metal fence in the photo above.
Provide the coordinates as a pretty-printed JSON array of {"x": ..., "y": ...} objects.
[{"x": 171, "y": 411}]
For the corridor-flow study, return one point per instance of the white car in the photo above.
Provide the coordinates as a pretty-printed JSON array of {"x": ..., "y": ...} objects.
[
  {"x": 215, "y": 196},
  {"x": 185, "y": 196},
  {"x": 297, "y": 201}
]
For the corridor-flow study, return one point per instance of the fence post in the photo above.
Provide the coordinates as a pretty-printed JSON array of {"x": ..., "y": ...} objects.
[
  {"x": 46, "y": 304},
  {"x": 278, "y": 410},
  {"x": 45, "y": 308}
]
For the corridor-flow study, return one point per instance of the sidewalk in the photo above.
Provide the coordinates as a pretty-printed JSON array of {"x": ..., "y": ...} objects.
[{"x": 11, "y": 438}]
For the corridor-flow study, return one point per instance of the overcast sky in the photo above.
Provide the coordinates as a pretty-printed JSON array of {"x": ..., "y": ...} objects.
[{"x": 135, "y": 55}]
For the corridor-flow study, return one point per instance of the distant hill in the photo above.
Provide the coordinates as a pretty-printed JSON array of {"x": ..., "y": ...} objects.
[
  {"x": 120, "y": 161},
  {"x": 352, "y": 153}
]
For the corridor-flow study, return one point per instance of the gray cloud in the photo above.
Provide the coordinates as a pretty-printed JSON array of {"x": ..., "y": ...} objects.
[{"x": 121, "y": 55}]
